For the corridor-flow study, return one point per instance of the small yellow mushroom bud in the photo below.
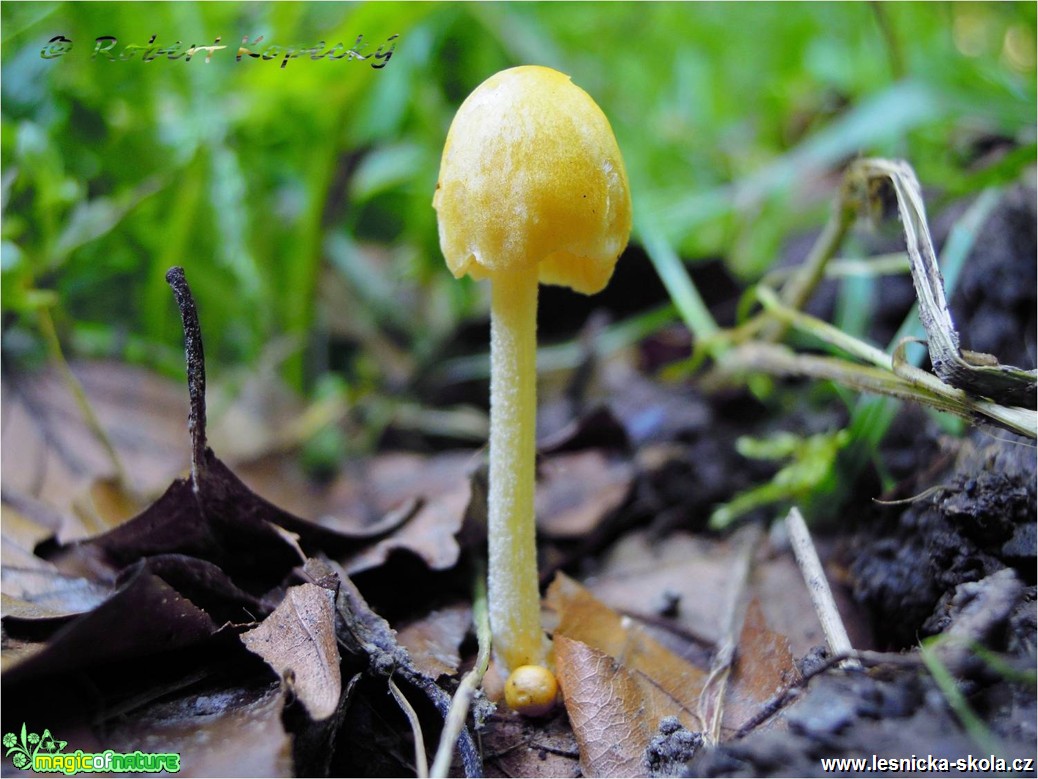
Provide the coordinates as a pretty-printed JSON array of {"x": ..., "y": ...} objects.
[{"x": 531, "y": 690}]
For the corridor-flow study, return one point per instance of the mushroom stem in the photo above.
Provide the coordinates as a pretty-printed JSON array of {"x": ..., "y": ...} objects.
[{"x": 513, "y": 592}]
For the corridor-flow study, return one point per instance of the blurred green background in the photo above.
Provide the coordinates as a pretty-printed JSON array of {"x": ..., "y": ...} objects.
[{"x": 299, "y": 198}]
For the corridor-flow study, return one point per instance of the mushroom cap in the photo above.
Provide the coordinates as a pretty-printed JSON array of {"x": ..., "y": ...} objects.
[{"x": 531, "y": 176}]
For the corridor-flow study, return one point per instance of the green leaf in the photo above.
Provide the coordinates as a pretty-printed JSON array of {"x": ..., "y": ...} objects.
[{"x": 810, "y": 466}]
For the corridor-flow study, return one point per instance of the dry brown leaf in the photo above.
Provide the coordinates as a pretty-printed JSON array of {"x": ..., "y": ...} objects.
[
  {"x": 45, "y": 593},
  {"x": 434, "y": 640},
  {"x": 668, "y": 684},
  {"x": 764, "y": 664},
  {"x": 606, "y": 709},
  {"x": 233, "y": 732},
  {"x": 436, "y": 488},
  {"x": 576, "y": 491},
  {"x": 585, "y": 618},
  {"x": 298, "y": 641},
  {"x": 516, "y": 746},
  {"x": 430, "y": 534},
  {"x": 695, "y": 571},
  {"x": 49, "y": 451}
]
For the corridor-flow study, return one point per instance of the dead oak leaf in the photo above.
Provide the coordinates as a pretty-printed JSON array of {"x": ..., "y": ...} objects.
[
  {"x": 364, "y": 635},
  {"x": 430, "y": 534},
  {"x": 215, "y": 518},
  {"x": 144, "y": 641},
  {"x": 298, "y": 641},
  {"x": 32, "y": 588}
]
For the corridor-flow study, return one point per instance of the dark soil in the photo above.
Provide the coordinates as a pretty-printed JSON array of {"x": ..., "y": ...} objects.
[
  {"x": 960, "y": 564},
  {"x": 906, "y": 567},
  {"x": 994, "y": 303}
]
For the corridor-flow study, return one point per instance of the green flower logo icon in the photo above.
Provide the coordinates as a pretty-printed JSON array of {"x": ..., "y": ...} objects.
[
  {"x": 22, "y": 747},
  {"x": 20, "y": 750}
]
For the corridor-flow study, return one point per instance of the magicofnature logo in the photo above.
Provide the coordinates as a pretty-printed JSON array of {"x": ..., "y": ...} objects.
[{"x": 46, "y": 754}]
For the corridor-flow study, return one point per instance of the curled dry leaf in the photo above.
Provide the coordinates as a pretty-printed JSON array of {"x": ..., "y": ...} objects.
[
  {"x": 366, "y": 637},
  {"x": 218, "y": 520},
  {"x": 43, "y": 592},
  {"x": 145, "y": 640},
  {"x": 298, "y": 641},
  {"x": 144, "y": 616},
  {"x": 433, "y": 492},
  {"x": 209, "y": 588},
  {"x": 32, "y": 588}
]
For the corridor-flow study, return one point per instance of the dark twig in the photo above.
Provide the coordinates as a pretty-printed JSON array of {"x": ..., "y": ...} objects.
[
  {"x": 783, "y": 697},
  {"x": 195, "y": 370}
]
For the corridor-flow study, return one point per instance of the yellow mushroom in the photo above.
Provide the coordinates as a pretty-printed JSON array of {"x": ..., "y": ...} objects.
[{"x": 532, "y": 189}]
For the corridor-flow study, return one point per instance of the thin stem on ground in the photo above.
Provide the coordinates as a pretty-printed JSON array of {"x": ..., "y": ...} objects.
[
  {"x": 50, "y": 335},
  {"x": 421, "y": 761},
  {"x": 459, "y": 709},
  {"x": 818, "y": 587}
]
